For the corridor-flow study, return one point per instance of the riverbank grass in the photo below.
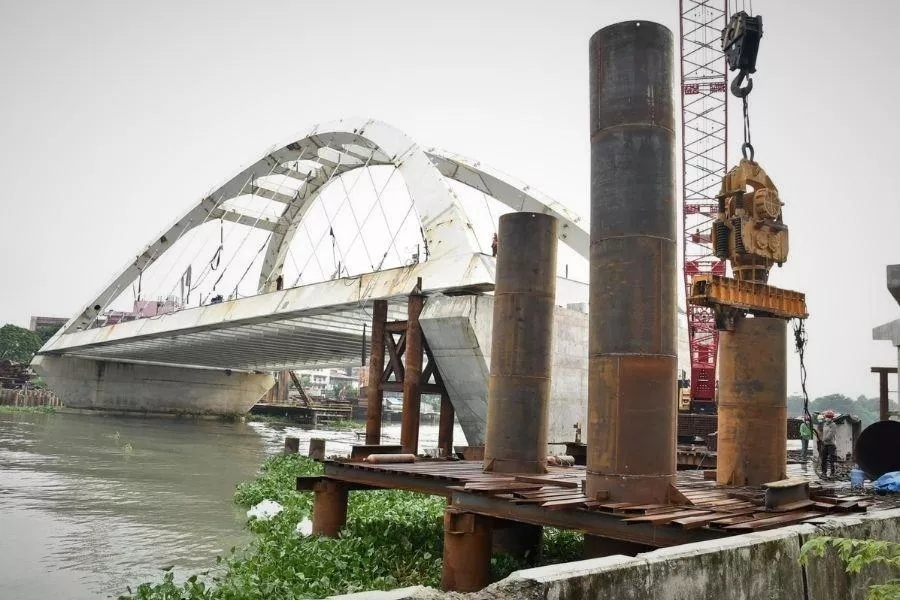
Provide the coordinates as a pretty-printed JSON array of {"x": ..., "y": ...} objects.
[
  {"x": 392, "y": 539},
  {"x": 42, "y": 410}
]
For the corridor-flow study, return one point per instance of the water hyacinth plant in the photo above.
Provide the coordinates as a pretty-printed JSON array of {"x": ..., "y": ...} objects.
[{"x": 392, "y": 539}]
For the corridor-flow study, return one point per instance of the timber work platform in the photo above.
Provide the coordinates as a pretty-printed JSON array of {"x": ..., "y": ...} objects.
[{"x": 702, "y": 509}]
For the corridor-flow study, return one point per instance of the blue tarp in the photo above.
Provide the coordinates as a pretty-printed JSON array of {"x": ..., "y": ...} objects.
[{"x": 889, "y": 482}]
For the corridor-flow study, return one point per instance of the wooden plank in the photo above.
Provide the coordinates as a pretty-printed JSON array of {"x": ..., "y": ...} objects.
[
  {"x": 849, "y": 507},
  {"x": 573, "y": 496},
  {"x": 545, "y": 493},
  {"x": 643, "y": 507},
  {"x": 701, "y": 520},
  {"x": 732, "y": 520},
  {"x": 560, "y": 504},
  {"x": 501, "y": 486},
  {"x": 721, "y": 503},
  {"x": 755, "y": 497},
  {"x": 836, "y": 499},
  {"x": 796, "y": 505},
  {"x": 663, "y": 518},
  {"x": 701, "y": 496},
  {"x": 613, "y": 506},
  {"x": 543, "y": 480},
  {"x": 785, "y": 519}
]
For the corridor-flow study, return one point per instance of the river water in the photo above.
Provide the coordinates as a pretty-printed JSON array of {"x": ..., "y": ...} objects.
[{"x": 90, "y": 504}]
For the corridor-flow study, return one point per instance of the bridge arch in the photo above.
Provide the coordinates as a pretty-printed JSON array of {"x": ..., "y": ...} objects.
[{"x": 313, "y": 161}]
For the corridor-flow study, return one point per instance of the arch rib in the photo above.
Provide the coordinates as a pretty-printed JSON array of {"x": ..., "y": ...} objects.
[{"x": 445, "y": 227}]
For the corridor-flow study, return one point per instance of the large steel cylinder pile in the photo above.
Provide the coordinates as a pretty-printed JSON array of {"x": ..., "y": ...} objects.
[{"x": 632, "y": 342}]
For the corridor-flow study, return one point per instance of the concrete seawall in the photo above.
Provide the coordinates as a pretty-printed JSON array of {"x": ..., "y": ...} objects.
[{"x": 756, "y": 566}]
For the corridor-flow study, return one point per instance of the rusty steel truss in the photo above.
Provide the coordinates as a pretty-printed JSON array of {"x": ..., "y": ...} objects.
[{"x": 404, "y": 347}]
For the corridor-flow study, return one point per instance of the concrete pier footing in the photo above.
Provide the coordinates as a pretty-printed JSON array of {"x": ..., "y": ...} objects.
[{"x": 138, "y": 388}]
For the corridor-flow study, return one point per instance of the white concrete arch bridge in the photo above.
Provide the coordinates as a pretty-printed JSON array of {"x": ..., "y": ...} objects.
[{"x": 218, "y": 358}]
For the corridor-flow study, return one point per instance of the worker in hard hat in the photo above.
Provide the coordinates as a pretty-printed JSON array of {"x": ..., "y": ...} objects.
[
  {"x": 805, "y": 436},
  {"x": 828, "y": 455}
]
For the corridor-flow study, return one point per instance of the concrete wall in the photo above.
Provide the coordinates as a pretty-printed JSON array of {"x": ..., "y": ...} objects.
[
  {"x": 458, "y": 330},
  {"x": 756, "y": 566},
  {"x": 83, "y": 383}
]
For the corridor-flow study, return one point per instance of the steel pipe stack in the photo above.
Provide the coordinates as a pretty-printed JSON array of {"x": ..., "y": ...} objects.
[
  {"x": 519, "y": 389},
  {"x": 632, "y": 342},
  {"x": 752, "y": 439}
]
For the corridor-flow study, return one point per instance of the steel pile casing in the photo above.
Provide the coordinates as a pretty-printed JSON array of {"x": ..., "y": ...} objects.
[
  {"x": 632, "y": 369},
  {"x": 877, "y": 450},
  {"x": 752, "y": 439},
  {"x": 521, "y": 344}
]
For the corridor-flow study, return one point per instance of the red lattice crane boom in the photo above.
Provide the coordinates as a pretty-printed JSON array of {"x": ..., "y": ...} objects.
[{"x": 704, "y": 128}]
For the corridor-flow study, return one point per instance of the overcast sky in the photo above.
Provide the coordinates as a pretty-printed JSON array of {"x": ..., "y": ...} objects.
[{"x": 116, "y": 116}]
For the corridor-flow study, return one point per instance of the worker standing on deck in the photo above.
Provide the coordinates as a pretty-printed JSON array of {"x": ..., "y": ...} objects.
[
  {"x": 829, "y": 448},
  {"x": 805, "y": 436}
]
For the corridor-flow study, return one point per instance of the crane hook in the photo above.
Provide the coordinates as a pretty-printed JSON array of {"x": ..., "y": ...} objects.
[{"x": 736, "y": 89}]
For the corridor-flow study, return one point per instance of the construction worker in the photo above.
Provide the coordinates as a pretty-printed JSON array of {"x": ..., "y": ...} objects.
[
  {"x": 805, "y": 436},
  {"x": 828, "y": 454},
  {"x": 494, "y": 245}
]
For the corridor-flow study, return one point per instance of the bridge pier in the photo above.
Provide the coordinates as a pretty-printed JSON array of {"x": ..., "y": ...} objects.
[{"x": 143, "y": 388}]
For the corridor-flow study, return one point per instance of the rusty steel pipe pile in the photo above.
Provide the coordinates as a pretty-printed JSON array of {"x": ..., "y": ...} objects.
[
  {"x": 752, "y": 439},
  {"x": 519, "y": 388},
  {"x": 632, "y": 341}
]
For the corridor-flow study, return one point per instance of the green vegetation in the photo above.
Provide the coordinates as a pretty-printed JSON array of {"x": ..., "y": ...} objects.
[
  {"x": 18, "y": 344},
  {"x": 342, "y": 425},
  {"x": 856, "y": 555},
  {"x": 392, "y": 539},
  {"x": 864, "y": 408},
  {"x": 44, "y": 410},
  {"x": 45, "y": 332}
]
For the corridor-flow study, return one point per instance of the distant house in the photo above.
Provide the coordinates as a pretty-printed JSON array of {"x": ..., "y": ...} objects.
[{"x": 39, "y": 322}]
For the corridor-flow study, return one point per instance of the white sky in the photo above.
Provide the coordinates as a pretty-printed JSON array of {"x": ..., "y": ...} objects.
[{"x": 116, "y": 116}]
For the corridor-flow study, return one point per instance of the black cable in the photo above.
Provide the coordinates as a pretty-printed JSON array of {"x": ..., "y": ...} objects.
[{"x": 800, "y": 341}]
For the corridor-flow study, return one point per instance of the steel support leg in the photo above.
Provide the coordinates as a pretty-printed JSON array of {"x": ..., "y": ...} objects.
[
  {"x": 374, "y": 393},
  {"x": 467, "y": 551},
  {"x": 412, "y": 377},
  {"x": 330, "y": 508},
  {"x": 445, "y": 425}
]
